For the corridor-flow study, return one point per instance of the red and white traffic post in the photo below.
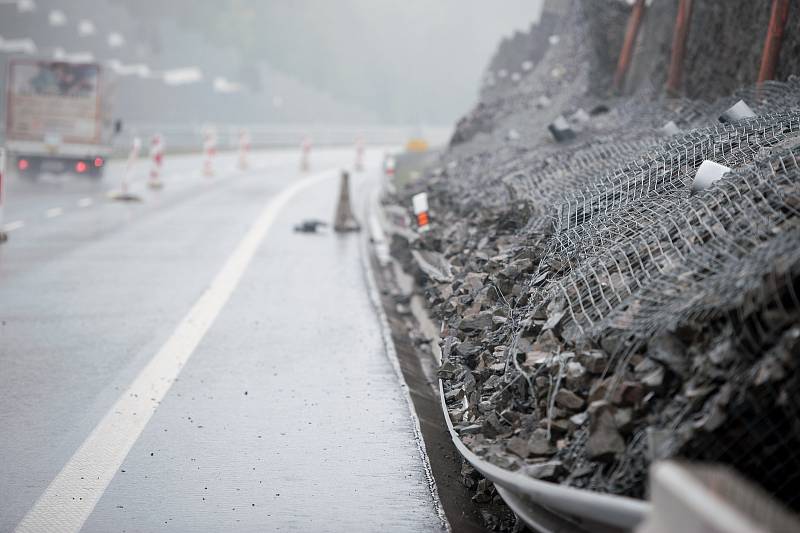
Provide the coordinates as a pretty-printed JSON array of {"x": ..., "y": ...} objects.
[
  {"x": 156, "y": 161},
  {"x": 420, "y": 204},
  {"x": 124, "y": 194},
  {"x": 389, "y": 164},
  {"x": 3, "y": 234},
  {"x": 359, "y": 166},
  {"x": 305, "y": 147},
  {"x": 133, "y": 156},
  {"x": 209, "y": 151},
  {"x": 244, "y": 149}
]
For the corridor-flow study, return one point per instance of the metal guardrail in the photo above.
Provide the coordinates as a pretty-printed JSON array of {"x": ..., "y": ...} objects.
[
  {"x": 190, "y": 136},
  {"x": 711, "y": 499},
  {"x": 549, "y": 506}
]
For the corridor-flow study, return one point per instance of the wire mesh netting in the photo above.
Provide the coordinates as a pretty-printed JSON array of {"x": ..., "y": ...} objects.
[
  {"x": 596, "y": 250},
  {"x": 633, "y": 255}
]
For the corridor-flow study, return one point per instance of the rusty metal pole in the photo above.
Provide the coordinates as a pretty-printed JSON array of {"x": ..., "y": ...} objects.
[
  {"x": 679, "y": 46},
  {"x": 774, "y": 39},
  {"x": 634, "y": 21}
]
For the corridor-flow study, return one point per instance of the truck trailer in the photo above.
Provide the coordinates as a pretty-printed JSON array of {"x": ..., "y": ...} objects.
[{"x": 57, "y": 117}]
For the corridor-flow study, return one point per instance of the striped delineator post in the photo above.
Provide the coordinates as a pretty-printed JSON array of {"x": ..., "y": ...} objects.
[
  {"x": 305, "y": 147},
  {"x": 244, "y": 149},
  {"x": 420, "y": 204},
  {"x": 156, "y": 161},
  {"x": 389, "y": 164},
  {"x": 124, "y": 194},
  {"x": 3, "y": 234},
  {"x": 359, "y": 166},
  {"x": 133, "y": 156},
  {"x": 209, "y": 151}
]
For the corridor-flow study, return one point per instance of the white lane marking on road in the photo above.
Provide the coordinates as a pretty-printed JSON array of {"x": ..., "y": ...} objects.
[
  {"x": 53, "y": 212},
  {"x": 85, "y": 202},
  {"x": 11, "y": 226},
  {"x": 71, "y": 496}
]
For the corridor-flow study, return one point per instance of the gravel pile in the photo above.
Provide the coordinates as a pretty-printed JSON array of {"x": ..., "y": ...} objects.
[{"x": 597, "y": 315}]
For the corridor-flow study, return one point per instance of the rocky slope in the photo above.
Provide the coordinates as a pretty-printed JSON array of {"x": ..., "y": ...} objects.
[{"x": 598, "y": 315}]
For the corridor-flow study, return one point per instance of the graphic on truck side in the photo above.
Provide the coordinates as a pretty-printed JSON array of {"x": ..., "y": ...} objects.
[{"x": 48, "y": 98}]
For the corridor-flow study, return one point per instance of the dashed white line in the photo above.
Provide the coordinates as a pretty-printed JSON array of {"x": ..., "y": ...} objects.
[
  {"x": 53, "y": 212},
  {"x": 11, "y": 226},
  {"x": 72, "y": 495},
  {"x": 85, "y": 202}
]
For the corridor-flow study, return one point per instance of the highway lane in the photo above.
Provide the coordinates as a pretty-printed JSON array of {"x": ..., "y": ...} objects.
[
  {"x": 92, "y": 294},
  {"x": 29, "y": 198}
]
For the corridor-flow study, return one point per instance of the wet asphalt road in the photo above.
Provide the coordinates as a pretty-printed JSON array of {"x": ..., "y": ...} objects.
[{"x": 287, "y": 415}]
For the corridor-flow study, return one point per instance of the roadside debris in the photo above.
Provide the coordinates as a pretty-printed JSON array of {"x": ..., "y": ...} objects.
[{"x": 310, "y": 226}]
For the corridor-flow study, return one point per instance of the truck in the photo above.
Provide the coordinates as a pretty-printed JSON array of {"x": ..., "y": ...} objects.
[{"x": 57, "y": 117}]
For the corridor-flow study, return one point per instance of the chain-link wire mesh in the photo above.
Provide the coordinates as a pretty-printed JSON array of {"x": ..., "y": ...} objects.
[{"x": 702, "y": 290}]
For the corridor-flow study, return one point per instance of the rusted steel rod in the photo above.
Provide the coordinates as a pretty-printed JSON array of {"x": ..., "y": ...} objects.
[
  {"x": 774, "y": 39},
  {"x": 634, "y": 21},
  {"x": 679, "y": 35}
]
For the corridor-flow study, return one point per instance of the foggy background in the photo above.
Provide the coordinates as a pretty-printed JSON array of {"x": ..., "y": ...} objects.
[{"x": 287, "y": 61}]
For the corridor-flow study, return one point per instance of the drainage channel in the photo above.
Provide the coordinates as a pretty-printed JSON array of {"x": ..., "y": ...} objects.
[
  {"x": 418, "y": 367},
  {"x": 446, "y": 463}
]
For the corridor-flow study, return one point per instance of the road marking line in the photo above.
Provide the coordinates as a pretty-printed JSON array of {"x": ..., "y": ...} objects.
[
  {"x": 85, "y": 202},
  {"x": 11, "y": 226},
  {"x": 53, "y": 212},
  {"x": 72, "y": 495}
]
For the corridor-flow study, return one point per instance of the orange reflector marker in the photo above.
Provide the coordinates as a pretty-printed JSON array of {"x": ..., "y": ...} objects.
[{"x": 420, "y": 203}]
